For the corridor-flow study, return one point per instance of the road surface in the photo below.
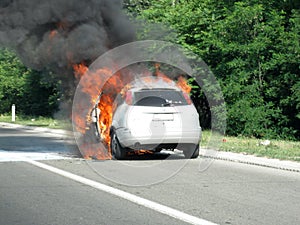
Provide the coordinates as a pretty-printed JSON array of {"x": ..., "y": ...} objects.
[{"x": 42, "y": 181}]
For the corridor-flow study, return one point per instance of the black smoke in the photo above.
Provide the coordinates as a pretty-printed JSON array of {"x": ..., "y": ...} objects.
[{"x": 56, "y": 34}]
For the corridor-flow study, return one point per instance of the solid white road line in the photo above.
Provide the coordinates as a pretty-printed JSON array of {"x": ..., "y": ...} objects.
[
  {"x": 122, "y": 194},
  {"x": 14, "y": 156}
]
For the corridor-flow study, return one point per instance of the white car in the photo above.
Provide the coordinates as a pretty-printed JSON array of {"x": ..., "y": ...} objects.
[{"x": 155, "y": 118}]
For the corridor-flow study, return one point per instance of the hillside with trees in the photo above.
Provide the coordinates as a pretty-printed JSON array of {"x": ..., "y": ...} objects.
[
  {"x": 31, "y": 93},
  {"x": 252, "y": 47}
]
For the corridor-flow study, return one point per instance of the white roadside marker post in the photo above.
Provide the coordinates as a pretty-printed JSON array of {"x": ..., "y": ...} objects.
[{"x": 13, "y": 113}]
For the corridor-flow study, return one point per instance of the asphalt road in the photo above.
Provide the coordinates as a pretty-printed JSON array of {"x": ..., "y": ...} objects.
[{"x": 223, "y": 193}]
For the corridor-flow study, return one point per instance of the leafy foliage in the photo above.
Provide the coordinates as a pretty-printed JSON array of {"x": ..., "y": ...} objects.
[
  {"x": 12, "y": 80},
  {"x": 25, "y": 88},
  {"x": 253, "y": 48}
]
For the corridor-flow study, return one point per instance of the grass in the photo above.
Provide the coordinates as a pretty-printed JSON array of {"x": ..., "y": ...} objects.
[
  {"x": 276, "y": 149},
  {"x": 36, "y": 121}
]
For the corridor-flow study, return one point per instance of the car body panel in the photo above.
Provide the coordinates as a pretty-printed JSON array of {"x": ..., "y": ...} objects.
[{"x": 149, "y": 125}]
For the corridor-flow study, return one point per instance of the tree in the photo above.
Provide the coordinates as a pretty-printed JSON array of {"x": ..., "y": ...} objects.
[
  {"x": 41, "y": 94},
  {"x": 253, "y": 49},
  {"x": 12, "y": 80},
  {"x": 258, "y": 67},
  {"x": 26, "y": 88}
]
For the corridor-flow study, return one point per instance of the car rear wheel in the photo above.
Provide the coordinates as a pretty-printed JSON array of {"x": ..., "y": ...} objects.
[
  {"x": 191, "y": 151},
  {"x": 117, "y": 151}
]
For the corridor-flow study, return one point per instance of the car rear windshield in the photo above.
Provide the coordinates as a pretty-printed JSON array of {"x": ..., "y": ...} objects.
[{"x": 159, "y": 98}]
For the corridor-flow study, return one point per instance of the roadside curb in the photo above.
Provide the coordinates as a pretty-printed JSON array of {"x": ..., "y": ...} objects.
[{"x": 252, "y": 160}]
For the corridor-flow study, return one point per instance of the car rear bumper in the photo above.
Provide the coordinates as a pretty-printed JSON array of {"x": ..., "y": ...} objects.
[{"x": 138, "y": 141}]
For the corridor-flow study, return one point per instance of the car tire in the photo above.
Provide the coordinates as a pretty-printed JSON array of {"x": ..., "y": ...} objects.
[
  {"x": 191, "y": 151},
  {"x": 117, "y": 151},
  {"x": 196, "y": 152}
]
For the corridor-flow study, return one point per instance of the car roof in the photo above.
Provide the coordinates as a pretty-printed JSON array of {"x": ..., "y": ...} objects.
[{"x": 153, "y": 83}]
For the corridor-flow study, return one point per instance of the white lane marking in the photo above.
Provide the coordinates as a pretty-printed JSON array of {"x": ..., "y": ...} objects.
[
  {"x": 122, "y": 194},
  {"x": 14, "y": 156}
]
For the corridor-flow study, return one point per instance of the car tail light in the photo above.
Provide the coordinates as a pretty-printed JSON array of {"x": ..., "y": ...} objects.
[
  {"x": 187, "y": 98},
  {"x": 128, "y": 98}
]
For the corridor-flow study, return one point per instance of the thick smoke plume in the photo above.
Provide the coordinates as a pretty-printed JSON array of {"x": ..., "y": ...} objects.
[{"x": 56, "y": 34}]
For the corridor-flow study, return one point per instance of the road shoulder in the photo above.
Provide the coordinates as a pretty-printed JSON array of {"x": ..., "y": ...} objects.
[{"x": 205, "y": 153}]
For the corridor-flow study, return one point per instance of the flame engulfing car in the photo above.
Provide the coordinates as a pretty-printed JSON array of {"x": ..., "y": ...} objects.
[{"x": 155, "y": 118}]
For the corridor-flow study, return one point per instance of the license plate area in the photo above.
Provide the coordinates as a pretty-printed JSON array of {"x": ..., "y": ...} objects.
[{"x": 163, "y": 117}]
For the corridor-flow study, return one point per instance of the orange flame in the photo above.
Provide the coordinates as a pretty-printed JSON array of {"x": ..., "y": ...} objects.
[
  {"x": 116, "y": 84},
  {"x": 79, "y": 70},
  {"x": 160, "y": 74},
  {"x": 60, "y": 26},
  {"x": 52, "y": 34},
  {"x": 109, "y": 90},
  {"x": 183, "y": 85},
  {"x": 140, "y": 152}
]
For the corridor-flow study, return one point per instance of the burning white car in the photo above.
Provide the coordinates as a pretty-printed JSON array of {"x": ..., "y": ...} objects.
[{"x": 155, "y": 118}]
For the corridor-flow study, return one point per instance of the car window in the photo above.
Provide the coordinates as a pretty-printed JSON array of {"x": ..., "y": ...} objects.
[{"x": 159, "y": 98}]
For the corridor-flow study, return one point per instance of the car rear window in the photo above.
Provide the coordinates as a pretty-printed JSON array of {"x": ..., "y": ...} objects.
[{"x": 159, "y": 98}]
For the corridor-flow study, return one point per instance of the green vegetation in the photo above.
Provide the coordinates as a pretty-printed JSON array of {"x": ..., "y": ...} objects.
[
  {"x": 276, "y": 149},
  {"x": 36, "y": 121},
  {"x": 252, "y": 47},
  {"x": 28, "y": 89}
]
